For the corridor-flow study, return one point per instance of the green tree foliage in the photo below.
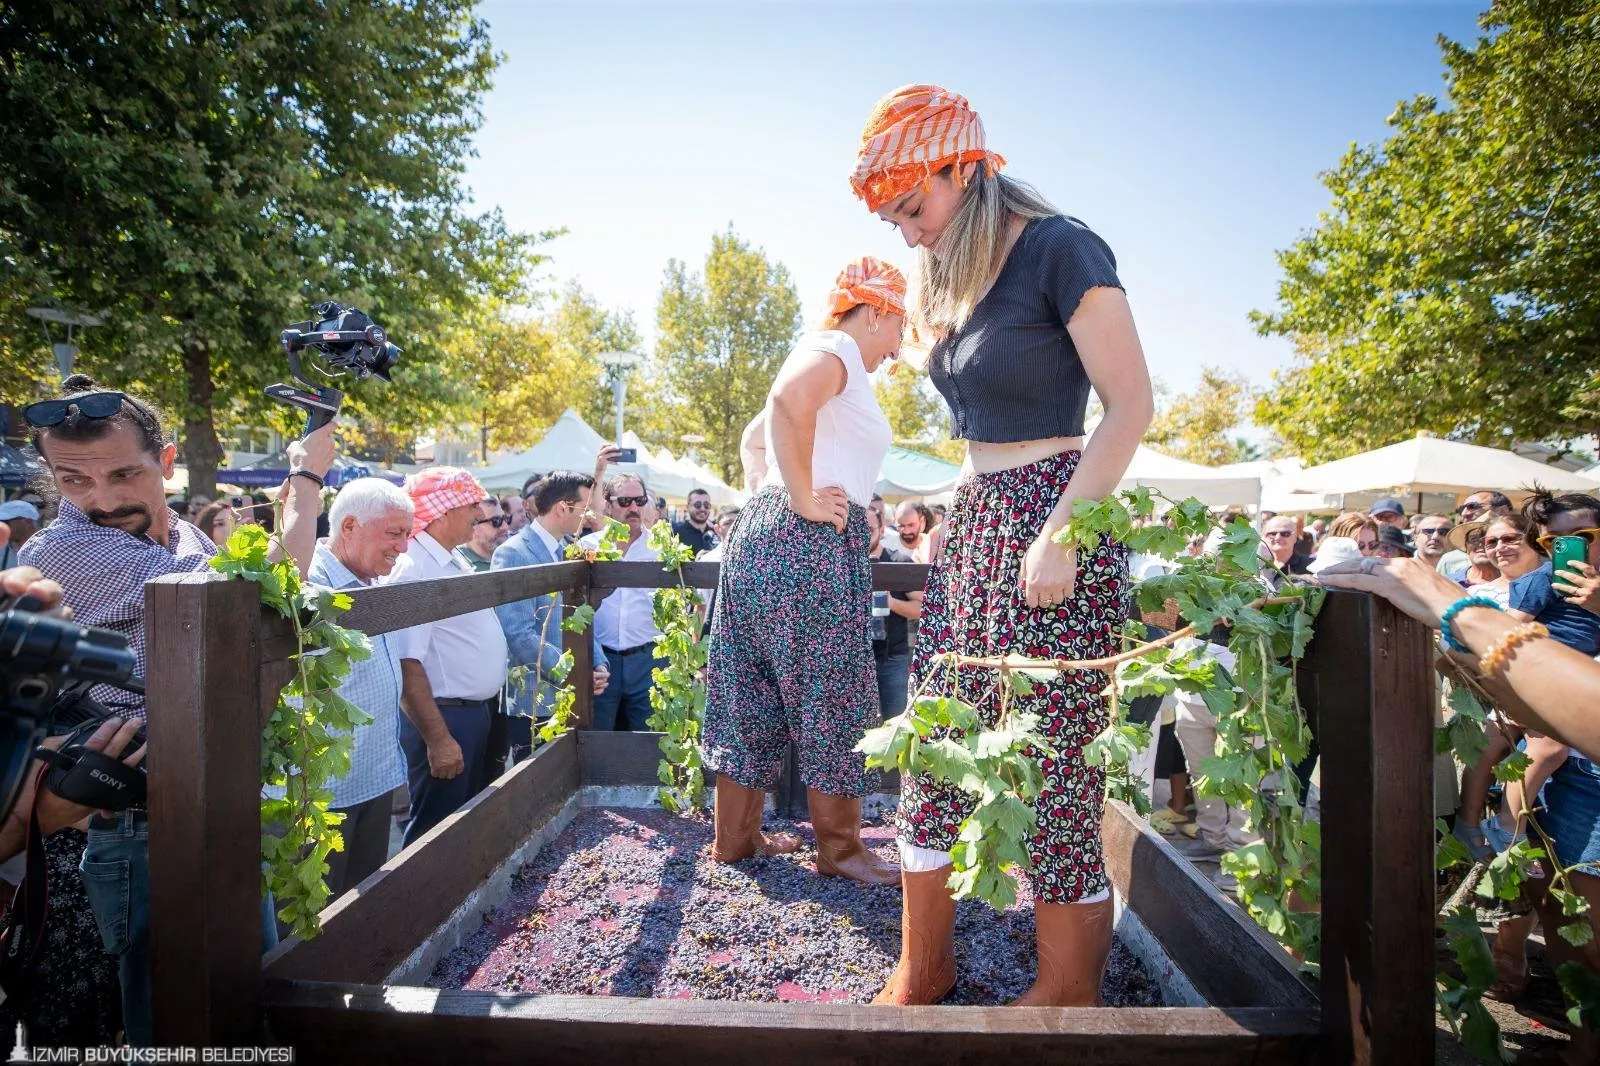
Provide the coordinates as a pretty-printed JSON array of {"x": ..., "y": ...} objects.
[
  {"x": 917, "y": 415},
  {"x": 1196, "y": 425},
  {"x": 200, "y": 171},
  {"x": 722, "y": 335},
  {"x": 1451, "y": 285}
]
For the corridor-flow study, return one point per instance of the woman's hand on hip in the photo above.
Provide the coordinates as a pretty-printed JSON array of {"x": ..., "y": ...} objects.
[
  {"x": 1049, "y": 571},
  {"x": 829, "y": 506}
]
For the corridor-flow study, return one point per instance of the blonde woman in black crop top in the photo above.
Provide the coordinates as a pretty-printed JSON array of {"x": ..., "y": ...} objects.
[{"x": 1025, "y": 314}]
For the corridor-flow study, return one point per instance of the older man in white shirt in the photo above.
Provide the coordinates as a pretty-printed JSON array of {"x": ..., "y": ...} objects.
[
  {"x": 451, "y": 670},
  {"x": 624, "y": 622}
]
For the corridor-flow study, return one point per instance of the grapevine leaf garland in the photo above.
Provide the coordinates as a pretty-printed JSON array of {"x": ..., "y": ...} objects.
[
  {"x": 678, "y": 696},
  {"x": 1261, "y": 730},
  {"x": 307, "y": 743}
]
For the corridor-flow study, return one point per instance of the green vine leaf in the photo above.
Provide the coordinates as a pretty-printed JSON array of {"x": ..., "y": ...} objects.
[
  {"x": 579, "y": 620},
  {"x": 307, "y": 741}
]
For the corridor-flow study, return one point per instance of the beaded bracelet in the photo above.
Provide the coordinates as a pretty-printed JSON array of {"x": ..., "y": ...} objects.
[
  {"x": 1494, "y": 660},
  {"x": 1451, "y": 641}
]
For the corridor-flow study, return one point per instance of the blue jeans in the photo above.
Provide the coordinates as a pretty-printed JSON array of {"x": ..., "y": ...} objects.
[
  {"x": 893, "y": 677},
  {"x": 625, "y": 704},
  {"x": 116, "y": 878}
]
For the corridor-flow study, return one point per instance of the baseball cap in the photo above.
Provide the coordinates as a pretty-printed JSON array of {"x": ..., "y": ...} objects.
[
  {"x": 1387, "y": 505},
  {"x": 18, "y": 509}
]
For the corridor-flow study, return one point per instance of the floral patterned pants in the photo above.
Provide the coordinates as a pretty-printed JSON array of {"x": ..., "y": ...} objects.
[
  {"x": 791, "y": 650},
  {"x": 975, "y": 606}
]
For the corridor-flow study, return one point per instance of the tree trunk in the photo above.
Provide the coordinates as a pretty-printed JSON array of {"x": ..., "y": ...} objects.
[{"x": 202, "y": 452}]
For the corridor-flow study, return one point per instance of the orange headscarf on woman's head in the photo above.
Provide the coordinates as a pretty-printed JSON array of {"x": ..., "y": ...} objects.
[
  {"x": 869, "y": 281},
  {"x": 914, "y": 133}
]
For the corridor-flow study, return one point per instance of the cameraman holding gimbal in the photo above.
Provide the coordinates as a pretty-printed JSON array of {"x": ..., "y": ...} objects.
[{"x": 108, "y": 456}]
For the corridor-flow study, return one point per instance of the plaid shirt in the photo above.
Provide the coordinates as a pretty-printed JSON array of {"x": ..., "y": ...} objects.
[
  {"x": 102, "y": 572},
  {"x": 376, "y": 763}
]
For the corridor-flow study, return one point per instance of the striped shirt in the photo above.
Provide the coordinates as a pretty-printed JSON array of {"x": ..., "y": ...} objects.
[
  {"x": 102, "y": 572},
  {"x": 376, "y": 763}
]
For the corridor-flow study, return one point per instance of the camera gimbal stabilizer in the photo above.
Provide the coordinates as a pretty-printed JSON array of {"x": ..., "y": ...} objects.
[{"x": 347, "y": 342}]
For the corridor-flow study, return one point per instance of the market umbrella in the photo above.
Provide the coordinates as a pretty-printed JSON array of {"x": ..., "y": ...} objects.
[
  {"x": 1178, "y": 479},
  {"x": 1432, "y": 464}
]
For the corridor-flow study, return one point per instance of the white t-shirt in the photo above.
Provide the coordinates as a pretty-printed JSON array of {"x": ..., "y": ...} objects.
[{"x": 852, "y": 433}]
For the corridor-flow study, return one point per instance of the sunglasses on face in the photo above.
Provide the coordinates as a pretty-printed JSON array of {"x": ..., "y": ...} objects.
[
  {"x": 630, "y": 501},
  {"x": 1276, "y": 534},
  {"x": 1548, "y": 541},
  {"x": 701, "y": 505},
  {"x": 1367, "y": 547},
  {"x": 95, "y": 405},
  {"x": 1433, "y": 531},
  {"x": 497, "y": 521},
  {"x": 1473, "y": 507},
  {"x": 1389, "y": 551},
  {"x": 1491, "y": 543}
]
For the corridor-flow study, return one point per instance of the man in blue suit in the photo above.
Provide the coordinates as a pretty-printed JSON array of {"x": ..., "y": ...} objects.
[{"x": 533, "y": 626}]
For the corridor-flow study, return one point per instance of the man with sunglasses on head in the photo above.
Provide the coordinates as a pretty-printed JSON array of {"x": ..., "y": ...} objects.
[
  {"x": 624, "y": 622},
  {"x": 489, "y": 531},
  {"x": 108, "y": 455}
]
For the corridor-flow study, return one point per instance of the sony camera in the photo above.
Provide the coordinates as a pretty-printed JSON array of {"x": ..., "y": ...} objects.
[
  {"x": 340, "y": 341},
  {"x": 47, "y": 666}
]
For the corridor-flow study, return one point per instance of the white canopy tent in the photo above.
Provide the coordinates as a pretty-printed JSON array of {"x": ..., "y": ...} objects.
[
  {"x": 1277, "y": 486},
  {"x": 571, "y": 444},
  {"x": 1178, "y": 479},
  {"x": 1431, "y": 464}
]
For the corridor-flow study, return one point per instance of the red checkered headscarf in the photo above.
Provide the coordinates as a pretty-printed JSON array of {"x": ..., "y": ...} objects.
[
  {"x": 439, "y": 489},
  {"x": 913, "y": 134},
  {"x": 869, "y": 281}
]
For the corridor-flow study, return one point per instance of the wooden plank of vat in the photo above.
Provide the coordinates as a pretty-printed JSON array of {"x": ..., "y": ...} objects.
[
  {"x": 892, "y": 577},
  {"x": 610, "y": 758},
  {"x": 367, "y": 932},
  {"x": 1229, "y": 959},
  {"x": 386, "y": 608},
  {"x": 204, "y": 808},
  {"x": 364, "y": 1024},
  {"x": 1367, "y": 677}
]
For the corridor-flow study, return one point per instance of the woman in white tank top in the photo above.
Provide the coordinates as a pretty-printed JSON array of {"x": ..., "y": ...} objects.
[{"x": 791, "y": 646}]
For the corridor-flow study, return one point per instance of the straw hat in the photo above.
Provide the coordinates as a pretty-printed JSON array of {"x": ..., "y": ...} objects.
[{"x": 1458, "y": 535}]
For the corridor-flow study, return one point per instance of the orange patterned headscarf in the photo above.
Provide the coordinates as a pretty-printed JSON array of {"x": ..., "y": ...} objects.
[
  {"x": 869, "y": 281},
  {"x": 914, "y": 133}
]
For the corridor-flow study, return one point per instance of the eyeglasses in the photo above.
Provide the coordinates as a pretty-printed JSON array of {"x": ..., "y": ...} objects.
[
  {"x": 1433, "y": 531},
  {"x": 497, "y": 521},
  {"x": 1473, "y": 507},
  {"x": 95, "y": 405},
  {"x": 1548, "y": 541},
  {"x": 1277, "y": 533},
  {"x": 701, "y": 505},
  {"x": 630, "y": 501},
  {"x": 1391, "y": 551},
  {"x": 1491, "y": 543}
]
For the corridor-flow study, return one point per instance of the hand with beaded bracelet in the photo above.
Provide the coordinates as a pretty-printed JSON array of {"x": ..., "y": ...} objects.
[{"x": 1545, "y": 685}]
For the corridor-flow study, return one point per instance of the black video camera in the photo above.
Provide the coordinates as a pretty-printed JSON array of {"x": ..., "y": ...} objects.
[
  {"x": 47, "y": 666},
  {"x": 344, "y": 341}
]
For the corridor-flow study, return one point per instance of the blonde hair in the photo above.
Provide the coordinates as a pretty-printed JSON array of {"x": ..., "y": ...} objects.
[{"x": 954, "y": 275}]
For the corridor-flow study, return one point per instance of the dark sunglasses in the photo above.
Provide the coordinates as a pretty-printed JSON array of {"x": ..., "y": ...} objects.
[
  {"x": 96, "y": 405},
  {"x": 630, "y": 501},
  {"x": 1433, "y": 531},
  {"x": 497, "y": 521}
]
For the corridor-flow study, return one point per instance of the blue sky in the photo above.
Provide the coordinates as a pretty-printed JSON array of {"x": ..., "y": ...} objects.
[{"x": 1189, "y": 135}]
